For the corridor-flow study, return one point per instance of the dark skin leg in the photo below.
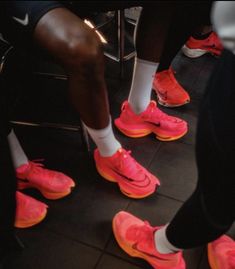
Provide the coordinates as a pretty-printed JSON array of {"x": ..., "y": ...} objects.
[
  {"x": 78, "y": 49},
  {"x": 151, "y": 35}
]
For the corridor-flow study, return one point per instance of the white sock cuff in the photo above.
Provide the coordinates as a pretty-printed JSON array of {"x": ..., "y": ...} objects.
[
  {"x": 154, "y": 64},
  {"x": 103, "y": 131},
  {"x": 105, "y": 140},
  {"x": 162, "y": 243}
]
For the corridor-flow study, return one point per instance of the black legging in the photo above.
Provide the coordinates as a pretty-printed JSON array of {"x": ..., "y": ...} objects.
[
  {"x": 7, "y": 184},
  {"x": 209, "y": 212},
  {"x": 185, "y": 19}
]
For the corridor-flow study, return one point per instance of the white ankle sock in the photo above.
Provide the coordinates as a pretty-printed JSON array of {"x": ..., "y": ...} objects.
[
  {"x": 162, "y": 244},
  {"x": 141, "y": 87},
  {"x": 18, "y": 155},
  {"x": 105, "y": 140}
]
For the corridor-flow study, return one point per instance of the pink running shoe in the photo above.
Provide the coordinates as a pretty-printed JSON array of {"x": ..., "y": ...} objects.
[
  {"x": 136, "y": 237},
  {"x": 133, "y": 179},
  {"x": 52, "y": 184},
  {"x": 152, "y": 120},
  {"x": 221, "y": 253},
  {"x": 169, "y": 92},
  {"x": 195, "y": 47},
  {"x": 29, "y": 211}
]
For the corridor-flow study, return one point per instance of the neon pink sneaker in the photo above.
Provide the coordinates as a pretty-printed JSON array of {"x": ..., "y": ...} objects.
[
  {"x": 29, "y": 211},
  {"x": 133, "y": 179},
  {"x": 221, "y": 253},
  {"x": 52, "y": 184},
  {"x": 136, "y": 237},
  {"x": 195, "y": 47},
  {"x": 169, "y": 92},
  {"x": 152, "y": 120}
]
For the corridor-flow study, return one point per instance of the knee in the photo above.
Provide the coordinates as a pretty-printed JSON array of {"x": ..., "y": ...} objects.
[{"x": 83, "y": 52}]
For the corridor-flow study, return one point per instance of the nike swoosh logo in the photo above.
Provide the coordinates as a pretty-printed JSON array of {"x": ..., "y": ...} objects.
[
  {"x": 135, "y": 247},
  {"x": 24, "y": 21},
  {"x": 155, "y": 124},
  {"x": 132, "y": 180}
]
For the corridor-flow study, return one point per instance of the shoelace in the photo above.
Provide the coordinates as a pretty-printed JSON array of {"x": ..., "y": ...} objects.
[
  {"x": 37, "y": 167},
  {"x": 129, "y": 164},
  {"x": 155, "y": 112},
  {"x": 141, "y": 233}
]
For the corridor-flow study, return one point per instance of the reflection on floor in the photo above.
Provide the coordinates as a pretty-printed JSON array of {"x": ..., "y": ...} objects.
[{"x": 77, "y": 231}]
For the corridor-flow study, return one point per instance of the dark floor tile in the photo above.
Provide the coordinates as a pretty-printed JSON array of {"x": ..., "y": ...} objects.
[
  {"x": 175, "y": 166},
  {"x": 204, "y": 262},
  {"x": 109, "y": 261},
  {"x": 193, "y": 257},
  {"x": 231, "y": 231},
  {"x": 188, "y": 71},
  {"x": 86, "y": 214},
  {"x": 203, "y": 76},
  {"x": 142, "y": 149},
  {"x": 44, "y": 250}
]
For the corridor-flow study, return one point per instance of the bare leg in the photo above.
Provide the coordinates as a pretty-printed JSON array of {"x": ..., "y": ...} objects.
[{"x": 77, "y": 48}]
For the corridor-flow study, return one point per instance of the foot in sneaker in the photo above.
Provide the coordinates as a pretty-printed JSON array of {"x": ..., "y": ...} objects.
[
  {"x": 133, "y": 179},
  {"x": 29, "y": 211},
  {"x": 196, "y": 47},
  {"x": 169, "y": 92},
  {"x": 221, "y": 253},
  {"x": 152, "y": 120},
  {"x": 136, "y": 238},
  {"x": 52, "y": 184}
]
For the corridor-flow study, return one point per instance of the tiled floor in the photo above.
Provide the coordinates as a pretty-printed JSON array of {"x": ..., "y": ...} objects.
[{"x": 77, "y": 231}]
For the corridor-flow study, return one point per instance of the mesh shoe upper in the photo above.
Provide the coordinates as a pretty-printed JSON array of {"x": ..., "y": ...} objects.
[
  {"x": 136, "y": 237},
  {"x": 133, "y": 179},
  {"x": 169, "y": 91},
  {"x": 151, "y": 120},
  {"x": 39, "y": 177}
]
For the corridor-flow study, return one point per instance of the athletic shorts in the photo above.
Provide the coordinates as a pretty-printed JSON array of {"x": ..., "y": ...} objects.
[{"x": 18, "y": 19}]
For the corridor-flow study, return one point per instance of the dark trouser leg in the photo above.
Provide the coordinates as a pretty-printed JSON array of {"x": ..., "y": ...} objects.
[
  {"x": 184, "y": 20},
  {"x": 7, "y": 187},
  {"x": 210, "y": 211}
]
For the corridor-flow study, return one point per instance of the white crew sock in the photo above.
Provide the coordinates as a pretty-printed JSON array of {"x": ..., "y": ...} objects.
[
  {"x": 162, "y": 244},
  {"x": 18, "y": 155},
  {"x": 141, "y": 87},
  {"x": 105, "y": 140}
]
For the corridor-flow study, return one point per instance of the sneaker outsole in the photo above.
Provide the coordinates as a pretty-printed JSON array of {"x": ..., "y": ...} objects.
[
  {"x": 30, "y": 223},
  {"x": 113, "y": 180},
  {"x": 162, "y": 103},
  {"x": 47, "y": 194},
  {"x": 137, "y": 133}
]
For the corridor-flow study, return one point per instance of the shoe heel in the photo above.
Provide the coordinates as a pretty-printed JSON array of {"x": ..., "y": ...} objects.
[{"x": 105, "y": 176}]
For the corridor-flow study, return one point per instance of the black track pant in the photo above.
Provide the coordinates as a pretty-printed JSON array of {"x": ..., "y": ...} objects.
[{"x": 209, "y": 212}]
